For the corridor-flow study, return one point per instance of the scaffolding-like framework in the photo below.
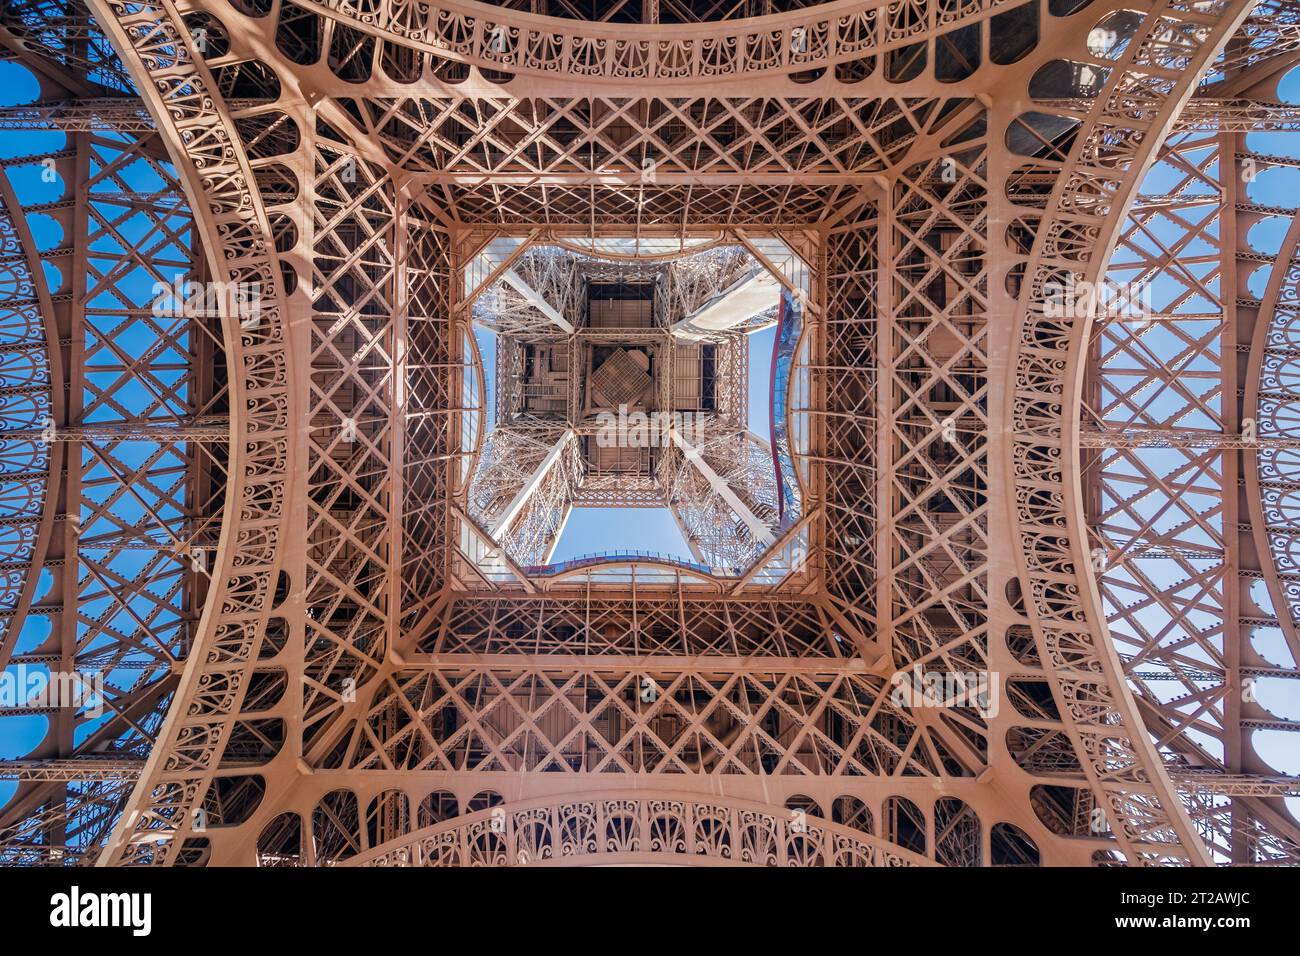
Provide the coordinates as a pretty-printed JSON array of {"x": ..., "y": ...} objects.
[
  {"x": 287, "y": 522},
  {"x": 558, "y": 443}
]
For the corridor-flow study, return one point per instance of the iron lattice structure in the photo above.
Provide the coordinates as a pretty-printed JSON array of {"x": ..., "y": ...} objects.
[
  {"x": 580, "y": 420},
  {"x": 275, "y": 525}
]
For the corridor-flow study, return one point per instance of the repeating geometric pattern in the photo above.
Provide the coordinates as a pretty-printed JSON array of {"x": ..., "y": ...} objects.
[
  {"x": 340, "y": 683},
  {"x": 635, "y": 830},
  {"x": 130, "y": 517}
]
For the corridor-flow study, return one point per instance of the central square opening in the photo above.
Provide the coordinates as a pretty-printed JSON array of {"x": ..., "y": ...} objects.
[{"x": 628, "y": 428}]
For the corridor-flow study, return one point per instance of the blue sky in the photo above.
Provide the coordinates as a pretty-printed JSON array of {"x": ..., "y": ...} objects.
[{"x": 592, "y": 530}]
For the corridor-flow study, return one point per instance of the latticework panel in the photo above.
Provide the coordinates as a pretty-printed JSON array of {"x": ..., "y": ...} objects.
[
  {"x": 133, "y": 511},
  {"x": 651, "y": 624},
  {"x": 933, "y": 430},
  {"x": 1186, "y": 586},
  {"x": 433, "y": 402},
  {"x": 659, "y": 721},
  {"x": 849, "y": 431},
  {"x": 349, "y": 479},
  {"x": 937, "y": 452}
]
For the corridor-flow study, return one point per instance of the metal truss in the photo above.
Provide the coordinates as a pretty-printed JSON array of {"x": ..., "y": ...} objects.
[
  {"x": 537, "y": 294},
  {"x": 688, "y": 285},
  {"x": 126, "y": 455},
  {"x": 1172, "y": 533},
  {"x": 617, "y": 828},
  {"x": 722, "y": 487},
  {"x": 533, "y": 468},
  {"x": 364, "y": 665}
]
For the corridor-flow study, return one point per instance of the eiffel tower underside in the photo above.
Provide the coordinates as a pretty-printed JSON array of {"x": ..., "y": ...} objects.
[{"x": 1013, "y": 581}]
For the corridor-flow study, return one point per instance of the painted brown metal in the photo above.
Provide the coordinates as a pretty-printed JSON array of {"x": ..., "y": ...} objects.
[{"x": 355, "y": 691}]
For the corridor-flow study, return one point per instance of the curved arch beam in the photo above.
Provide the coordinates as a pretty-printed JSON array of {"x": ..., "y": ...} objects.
[
  {"x": 16, "y": 598},
  {"x": 198, "y": 131},
  {"x": 1078, "y": 232},
  {"x": 615, "y": 827},
  {"x": 1284, "y": 273},
  {"x": 492, "y": 38}
]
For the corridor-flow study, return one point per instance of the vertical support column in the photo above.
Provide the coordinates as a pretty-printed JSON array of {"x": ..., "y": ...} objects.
[
  {"x": 886, "y": 346},
  {"x": 297, "y": 317},
  {"x": 1230, "y": 147},
  {"x": 397, "y": 400},
  {"x": 73, "y": 327}
]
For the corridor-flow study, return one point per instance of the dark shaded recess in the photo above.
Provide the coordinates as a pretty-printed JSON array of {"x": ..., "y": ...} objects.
[
  {"x": 976, "y": 129},
  {"x": 1064, "y": 8},
  {"x": 1042, "y": 135},
  {"x": 852, "y": 812},
  {"x": 1014, "y": 595},
  {"x": 280, "y": 842},
  {"x": 335, "y": 824},
  {"x": 1011, "y": 846},
  {"x": 1020, "y": 642},
  {"x": 450, "y": 71},
  {"x": 387, "y": 817},
  {"x": 1031, "y": 186},
  {"x": 905, "y": 63},
  {"x": 326, "y": 131},
  {"x": 195, "y": 852},
  {"x": 1033, "y": 699},
  {"x": 251, "y": 80},
  {"x": 253, "y": 8},
  {"x": 438, "y": 807},
  {"x": 622, "y": 291},
  {"x": 265, "y": 689},
  {"x": 298, "y": 34},
  {"x": 254, "y": 741},
  {"x": 232, "y": 800},
  {"x": 1013, "y": 34},
  {"x": 483, "y": 800},
  {"x": 957, "y": 833},
  {"x": 284, "y": 231},
  {"x": 208, "y": 35},
  {"x": 276, "y": 636},
  {"x": 277, "y": 184},
  {"x": 1066, "y": 811},
  {"x": 352, "y": 54},
  {"x": 354, "y": 110},
  {"x": 957, "y": 54},
  {"x": 1067, "y": 79},
  {"x": 400, "y": 63},
  {"x": 268, "y": 134},
  {"x": 854, "y": 71},
  {"x": 904, "y": 824}
]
